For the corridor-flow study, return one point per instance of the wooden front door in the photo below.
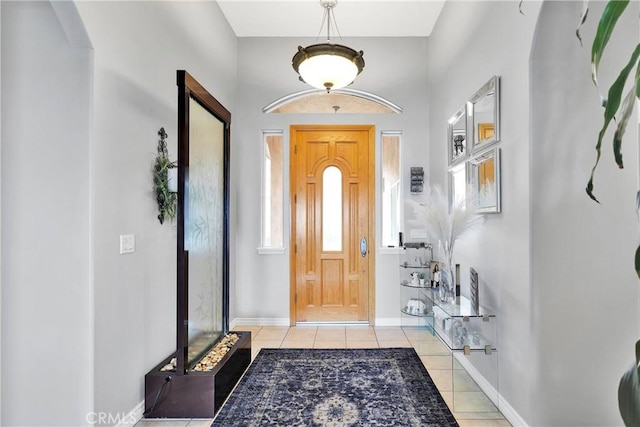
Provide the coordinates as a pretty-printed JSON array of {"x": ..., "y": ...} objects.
[{"x": 332, "y": 194}]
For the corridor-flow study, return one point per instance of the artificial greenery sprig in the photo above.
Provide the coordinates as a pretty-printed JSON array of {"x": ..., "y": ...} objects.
[{"x": 167, "y": 201}]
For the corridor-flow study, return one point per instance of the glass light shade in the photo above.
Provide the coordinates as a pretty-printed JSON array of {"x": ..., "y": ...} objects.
[
  {"x": 328, "y": 71},
  {"x": 328, "y": 66}
]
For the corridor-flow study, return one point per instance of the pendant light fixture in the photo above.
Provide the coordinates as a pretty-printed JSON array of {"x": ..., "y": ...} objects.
[{"x": 328, "y": 65}]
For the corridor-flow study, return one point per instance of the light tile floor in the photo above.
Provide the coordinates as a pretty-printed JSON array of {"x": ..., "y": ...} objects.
[{"x": 469, "y": 404}]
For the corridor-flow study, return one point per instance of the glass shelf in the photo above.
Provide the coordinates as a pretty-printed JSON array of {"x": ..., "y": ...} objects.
[
  {"x": 414, "y": 266},
  {"x": 425, "y": 314},
  {"x": 416, "y": 310},
  {"x": 465, "y": 335},
  {"x": 452, "y": 309},
  {"x": 468, "y": 341},
  {"x": 408, "y": 284}
]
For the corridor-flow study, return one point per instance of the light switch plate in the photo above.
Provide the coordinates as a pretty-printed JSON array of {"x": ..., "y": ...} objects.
[{"x": 127, "y": 243}]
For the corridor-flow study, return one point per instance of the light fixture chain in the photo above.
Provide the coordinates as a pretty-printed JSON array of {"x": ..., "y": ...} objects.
[
  {"x": 332, "y": 15},
  {"x": 324, "y": 19},
  {"x": 328, "y": 16}
]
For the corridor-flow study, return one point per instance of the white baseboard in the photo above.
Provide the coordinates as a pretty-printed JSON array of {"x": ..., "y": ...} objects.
[
  {"x": 133, "y": 416},
  {"x": 511, "y": 414},
  {"x": 388, "y": 321},
  {"x": 501, "y": 403},
  {"x": 258, "y": 321},
  {"x": 284, "y": 321}
]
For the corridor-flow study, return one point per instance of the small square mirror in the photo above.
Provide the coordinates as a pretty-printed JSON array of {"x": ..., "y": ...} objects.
[
  {"x": 458, "y": 186},
  {"x": 484, "y": 109},
  {"x": 485, "y": 175},
  {"x": 457, "y": 136}
]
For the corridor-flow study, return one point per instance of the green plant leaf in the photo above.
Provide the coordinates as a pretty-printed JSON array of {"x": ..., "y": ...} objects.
[
  {"x": 638, "y": 261},
  {"x": 583, "y": 19},
  {"x": 607, "y": 24},
  {"x": 613, "y": 103},
  {"x": 626, "y": 110}
]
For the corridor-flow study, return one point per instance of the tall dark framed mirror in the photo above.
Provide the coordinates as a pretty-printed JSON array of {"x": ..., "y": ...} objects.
[{"x": 203, "y": 221}]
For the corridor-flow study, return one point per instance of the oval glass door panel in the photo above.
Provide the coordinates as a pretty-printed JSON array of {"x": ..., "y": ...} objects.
[{"x": 332, "y": 209}]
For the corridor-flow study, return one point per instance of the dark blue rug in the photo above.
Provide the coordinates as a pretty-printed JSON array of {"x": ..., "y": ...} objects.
[{"x": 336, "y": 388}]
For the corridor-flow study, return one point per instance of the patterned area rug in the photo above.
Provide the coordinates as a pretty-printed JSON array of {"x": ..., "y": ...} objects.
[{"x": 336, "y": 388}]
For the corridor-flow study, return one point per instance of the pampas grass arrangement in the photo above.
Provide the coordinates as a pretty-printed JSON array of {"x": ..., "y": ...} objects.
[{"x": 444, "y": 225}]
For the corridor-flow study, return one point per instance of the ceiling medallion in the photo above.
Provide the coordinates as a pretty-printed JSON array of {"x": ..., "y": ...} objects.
[{"x": 328, "y": 65}]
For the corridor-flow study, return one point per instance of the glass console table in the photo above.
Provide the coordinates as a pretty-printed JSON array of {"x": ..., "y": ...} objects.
[
  {"x": 459, "y": 326},
  {"x": 470, "y": 338},
  {"x": 458, "y": 345}
]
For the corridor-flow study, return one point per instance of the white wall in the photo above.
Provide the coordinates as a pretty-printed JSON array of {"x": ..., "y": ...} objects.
[
  {"x": 396, "y": 70},
  {"x": 555, "y": 266},
  {"x": 584, "y": 289},
  {"x": 138, "y": 48},
  {"x": 0, "y": 219},
  {"x": 79, "y": 141},
  {"x": 47, "y": 339},
  {"x": 471, "y": 42}
]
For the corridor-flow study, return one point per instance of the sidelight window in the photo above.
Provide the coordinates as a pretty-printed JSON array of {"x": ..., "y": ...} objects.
[
  {"x": 272, "y": 190},
  {"x": 390, "y": 188}
]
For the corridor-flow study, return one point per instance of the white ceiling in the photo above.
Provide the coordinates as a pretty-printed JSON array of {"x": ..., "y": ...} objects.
[{"x": 355, "y": 18}]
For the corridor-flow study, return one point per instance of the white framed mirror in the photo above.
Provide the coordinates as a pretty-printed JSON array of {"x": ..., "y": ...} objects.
[
  {"x": 458, "y": 183},
  {"x": 484, "y": 112},
  {"x": 457, "y": 136},
  {"x": 485, "y": 181}
]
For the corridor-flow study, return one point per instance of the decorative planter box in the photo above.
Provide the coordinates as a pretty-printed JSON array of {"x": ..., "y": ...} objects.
[{"x": 171, "y": 394}]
